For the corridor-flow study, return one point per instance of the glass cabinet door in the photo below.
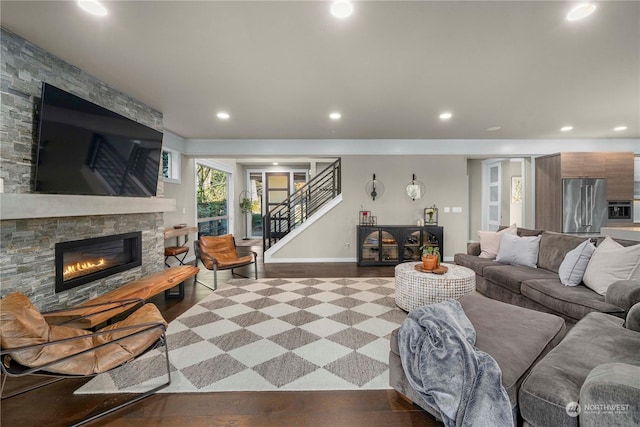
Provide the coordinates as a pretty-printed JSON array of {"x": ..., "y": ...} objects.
[
  {"x": 430, "y": 239},
  {"x": 371, "y": 247},
  {"x": 389, "y": 247},
  {"x": 411, "y": 247}
]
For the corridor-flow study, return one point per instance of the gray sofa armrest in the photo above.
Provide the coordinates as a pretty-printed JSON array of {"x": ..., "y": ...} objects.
[
  {"x": 610, "y": 396},
  {"x": 633, "y": 318},
  {"x": 623, "y": 293},
  {"x": 473, "y": 248}
]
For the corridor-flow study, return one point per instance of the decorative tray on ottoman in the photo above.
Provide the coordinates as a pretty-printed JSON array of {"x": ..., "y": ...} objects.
[{"x": 441, "y": 269}]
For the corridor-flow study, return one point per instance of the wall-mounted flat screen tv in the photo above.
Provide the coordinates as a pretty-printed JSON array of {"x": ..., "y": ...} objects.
[{"x": 86, "y": 149}]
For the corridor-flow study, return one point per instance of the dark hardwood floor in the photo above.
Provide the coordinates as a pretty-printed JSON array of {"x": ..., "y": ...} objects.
[{"x": 55, "y": 405}]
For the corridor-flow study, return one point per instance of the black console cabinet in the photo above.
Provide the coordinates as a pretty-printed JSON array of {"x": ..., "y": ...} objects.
[{"x": 393, "y": 244}]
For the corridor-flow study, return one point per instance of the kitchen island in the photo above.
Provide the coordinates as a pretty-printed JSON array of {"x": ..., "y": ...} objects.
[{"x": 626, "y": 233}]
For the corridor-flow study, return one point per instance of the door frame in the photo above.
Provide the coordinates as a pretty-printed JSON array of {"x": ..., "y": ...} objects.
[
  {"x": 487, "y": 165},
  {"x": 264, "y": 172}
]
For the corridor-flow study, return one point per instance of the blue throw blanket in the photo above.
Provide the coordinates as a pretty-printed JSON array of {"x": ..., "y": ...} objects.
[{"x": 439, "y": 359}]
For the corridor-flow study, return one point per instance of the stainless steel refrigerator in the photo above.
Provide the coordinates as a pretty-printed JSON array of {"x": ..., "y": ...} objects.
[{"x": 584, "y": 205}]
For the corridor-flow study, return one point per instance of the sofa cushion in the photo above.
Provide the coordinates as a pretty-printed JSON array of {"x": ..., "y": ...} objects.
[
  {"x": 554, "y": 247},
  {"x": 490, "y": 241},
  {"x": 514, "y": 336},
  {"x": 516, "y": 250},
  {"x": 612, "y": 262},
  {"x": 512, "y": 276},
  {"x": 575, "y": 264},
  {"x": 572, "y": 301},
  {"x": 556, "y": 380},
  {"x": 473, "y": 262},
  {"x": 523, "y": 232}
]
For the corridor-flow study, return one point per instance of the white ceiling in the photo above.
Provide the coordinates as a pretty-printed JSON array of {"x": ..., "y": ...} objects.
[{"x": 279, "y": 68}]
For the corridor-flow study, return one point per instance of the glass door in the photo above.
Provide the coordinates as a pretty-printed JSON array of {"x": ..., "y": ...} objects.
[
  {"x": 277, "y": 191},
  {"x": 491, "y": 195}
]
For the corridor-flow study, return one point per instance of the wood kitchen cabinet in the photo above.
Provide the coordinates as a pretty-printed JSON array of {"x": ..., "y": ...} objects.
[
  {"x": 548, "y": 181},
  {"x": 619, "y": 174},
  {"x": 583, "y": 165},
  {"x": 550, "y": 170}
]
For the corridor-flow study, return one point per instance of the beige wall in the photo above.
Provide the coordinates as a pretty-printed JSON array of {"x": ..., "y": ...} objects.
[{"x": 445, "y": 178}]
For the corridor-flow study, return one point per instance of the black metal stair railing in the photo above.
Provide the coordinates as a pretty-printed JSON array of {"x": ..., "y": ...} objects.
[{"x": 299, "y": 206}]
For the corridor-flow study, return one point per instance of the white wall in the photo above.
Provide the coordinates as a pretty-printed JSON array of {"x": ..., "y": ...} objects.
[
  {"x": 445, "y": 178},
  {"x": 474, "y": 170},
  {"x": 184, "y": 194}
]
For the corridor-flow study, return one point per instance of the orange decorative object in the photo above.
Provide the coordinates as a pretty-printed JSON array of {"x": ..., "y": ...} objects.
[{"x": 429, "y": 262}]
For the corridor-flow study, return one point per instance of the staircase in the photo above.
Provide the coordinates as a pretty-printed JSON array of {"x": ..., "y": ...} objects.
[{"x": 301, "y": 205}]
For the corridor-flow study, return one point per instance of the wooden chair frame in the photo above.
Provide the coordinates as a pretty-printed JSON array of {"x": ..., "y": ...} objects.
[
  {"x": 200, "y": 256},
  {"x": 11, "y": 368}
]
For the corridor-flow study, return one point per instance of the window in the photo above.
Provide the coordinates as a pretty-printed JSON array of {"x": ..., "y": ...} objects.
[
  {"x": 212, "y": 200},
  {"x": 171, "y": 166}
]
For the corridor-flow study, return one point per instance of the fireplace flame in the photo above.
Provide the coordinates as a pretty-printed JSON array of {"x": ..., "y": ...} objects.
[{"x": 81, "y": 268}]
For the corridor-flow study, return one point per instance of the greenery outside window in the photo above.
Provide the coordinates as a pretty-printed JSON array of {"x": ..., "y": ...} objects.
[{"x": 212, "y": 198}]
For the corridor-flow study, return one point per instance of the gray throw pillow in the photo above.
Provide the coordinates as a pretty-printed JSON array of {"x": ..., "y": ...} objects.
[
  {"x": 517, "y": 250},
  {"x": 575, "y": 264}
]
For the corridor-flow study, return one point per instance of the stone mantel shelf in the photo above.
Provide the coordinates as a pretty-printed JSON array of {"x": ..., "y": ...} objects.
[{"x": 23, "y": 206}]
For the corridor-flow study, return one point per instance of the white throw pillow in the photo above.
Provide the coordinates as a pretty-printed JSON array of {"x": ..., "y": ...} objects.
[
  {"x": 490, "y": 241},
  {"x": 517, "y": 250},
  {"x": 611, "y": 262},
  {"x": 575, "y": 263}
]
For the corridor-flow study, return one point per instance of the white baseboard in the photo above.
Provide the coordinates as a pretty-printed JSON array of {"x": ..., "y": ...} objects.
[{"x": 310, "y": 260}]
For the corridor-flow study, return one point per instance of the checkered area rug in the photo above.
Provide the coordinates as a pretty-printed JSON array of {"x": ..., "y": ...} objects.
[{"x": 274, "y": 334}]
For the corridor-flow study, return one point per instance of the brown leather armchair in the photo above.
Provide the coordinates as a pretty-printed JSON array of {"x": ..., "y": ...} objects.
[
  {"x": 30, "y": 346},
  {"x": 219, "y": 253}
]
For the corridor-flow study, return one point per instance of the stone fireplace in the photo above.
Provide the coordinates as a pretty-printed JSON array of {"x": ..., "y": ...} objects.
[
  {"x": 32, "y": 224},
  {"x": 83, "y": 261}
]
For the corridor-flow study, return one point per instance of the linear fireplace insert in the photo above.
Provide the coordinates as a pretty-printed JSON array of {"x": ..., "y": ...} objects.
[{"x": 82, "y": 261}]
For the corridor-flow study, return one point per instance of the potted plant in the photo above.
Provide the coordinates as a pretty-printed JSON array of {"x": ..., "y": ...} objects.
[
  {"x": 245, "y": 205},
  {"x": 429, "y": 257},
  {"x": 245, "y": 208}
]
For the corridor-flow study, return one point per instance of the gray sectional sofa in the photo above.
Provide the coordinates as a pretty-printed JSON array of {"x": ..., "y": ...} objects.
[
  {"x": 596, "y": 365},
  {"x": 540, "y": 288},
  {"x": 545, "y": 373}
]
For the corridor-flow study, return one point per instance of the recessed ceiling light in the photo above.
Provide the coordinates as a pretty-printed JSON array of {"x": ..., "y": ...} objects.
[
  {"x": 335, "y": 116},
  {"x": 566, "y": 128},
  {"x": 93, "y": 7},
  {"x": 494, "y": 128},
  {"x": 619, "y": 128},
  {"x": 275, "y": 163},
  {"x": 581, "y": 11},
  {"x": 223, "y": 115},
  {"x": 445, "y": 116},
  {"x": 341, "y": 9}
]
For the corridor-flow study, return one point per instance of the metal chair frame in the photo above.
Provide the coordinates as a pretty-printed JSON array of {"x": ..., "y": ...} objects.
[
  {"x": 11, "y": 368},
  {"x": 200, "y": 256}
]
